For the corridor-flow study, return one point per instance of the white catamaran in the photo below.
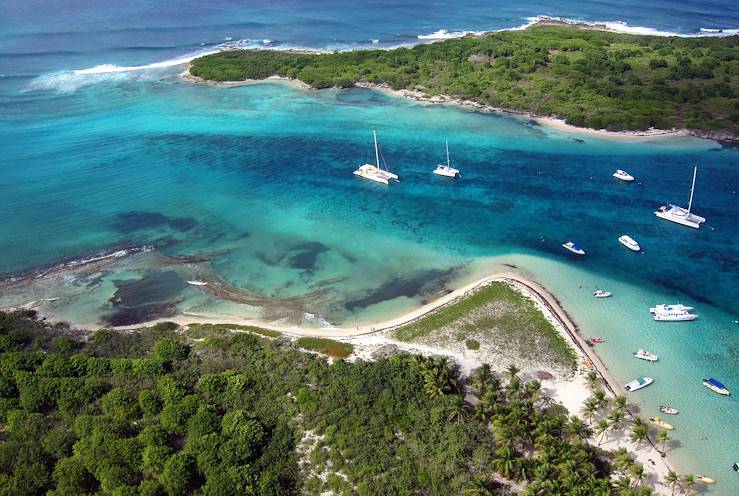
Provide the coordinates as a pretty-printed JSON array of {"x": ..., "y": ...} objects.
[
  {"x": 447, "y": 170},
  {"x": 375, "y": 172},
  {"x": 680, "y": 215}
]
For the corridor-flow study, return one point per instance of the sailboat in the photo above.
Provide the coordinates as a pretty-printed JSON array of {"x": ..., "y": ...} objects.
[
  {"x": 680, "y": 215},
  {"x": 375, "y": 172},
  {"x": 447, "y": 170}
]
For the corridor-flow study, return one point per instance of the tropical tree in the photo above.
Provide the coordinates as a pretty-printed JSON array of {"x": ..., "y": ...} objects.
[
  {"x": 599, "y": 395},
  {"x": 662, "y": 438},
  {"x": 619, "y": 403},
  {"x": 601, "y": 429},
  {"x": 672, "y": 479},
  {"x": 577, "y": 429},
  {"x": 504, "y": 462},
  {"x": 687, "y": 482},
  {"x": 639, "y": 431},
  {"x": 636, "y": 471},
  {"x": 481, "y": 379},
  {"x": 512, "y": 370},
  {"x": 477, "y": 487},
  {"x": 622, "y": 459},
  {"x": 616, "y": 419},
  {"x": 592, "y": 379},
  {"x": 459, "y": 409},
  {"x": 589, "y": 409}
]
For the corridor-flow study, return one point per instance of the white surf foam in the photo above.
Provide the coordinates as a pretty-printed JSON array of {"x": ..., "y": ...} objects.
[{"x": 443, "y": 34}]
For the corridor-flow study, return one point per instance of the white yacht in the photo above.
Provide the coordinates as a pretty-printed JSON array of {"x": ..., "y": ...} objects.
[
  {"x": 672, "y": 313},
  {"x": 680, "y": 215},
  {"x": 638, "y": 383},
  {"x": 629, "y": 243},
  {"x": 668, "y": 410},
  {"x": 574, "y": 248},
  {"x": 599, "y": 293},
  {"x": 623, "y": 175},
  {"x": 645, "y": 355},
  {"x": 447, "y": 170},
  {"x": 375, "y": 172}
]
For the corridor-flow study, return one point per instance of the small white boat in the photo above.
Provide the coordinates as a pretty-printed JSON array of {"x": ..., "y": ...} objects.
[
  {"x": 638, "y": 383},
  {"x": 705, "y": 479},
  {"x": 645, "y": 355},
  {"x": 375, "y": 172},
  {"x": 601, "y": 294},
  {"x": 672, "y": 313},
  {"x": 668, "y": 410},
  {"x": 657, "y": 421},
  {"x": 197, "y": 283},
  {"x": 716, "y": 386},
  {"x": 447, "y": 170},
  {"x": 679, "y": 215},
  {"x": 574, "y": 248},
  {"x": 629, "y": 243},
  {"x": 623, "y": 175}
]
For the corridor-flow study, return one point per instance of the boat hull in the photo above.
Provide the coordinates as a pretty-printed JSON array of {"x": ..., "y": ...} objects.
[
  {"x": 635, "y": 385},
  {"x": 680, "y": 216}
]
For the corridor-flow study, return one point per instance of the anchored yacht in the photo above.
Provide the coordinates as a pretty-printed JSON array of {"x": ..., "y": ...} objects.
[
  {"x": 638, "y": 383},
  {"x": 668, "y": 410},
  {"x": 645, "y": 355},
  {"x": 716, "y": 386},
  {"x": 629, "y": 243},
  {"x": 574, "y": 248},
  {"x": 679, "y": 215},
  {"x": 599, "y": 293},
  {"x": 623, "y": 175},
  {"x": 375, "y": 172},
  {"x": 673, "y": 313},
  {"x": 447, "y": 170}
]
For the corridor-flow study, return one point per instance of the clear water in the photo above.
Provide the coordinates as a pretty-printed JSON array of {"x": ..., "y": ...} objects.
[{"x": 255, "y": 183}]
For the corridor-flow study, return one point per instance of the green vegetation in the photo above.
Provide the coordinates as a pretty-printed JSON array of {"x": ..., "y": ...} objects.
[
  {"x": 590, "y": 78},
  {"x": 141, "y": 412},
  {"x": 328, "y": 347},
  {"x": 498, "y": 315},
  {"x": 472, "y": 344},
  {"x": 197, "y": 331}
]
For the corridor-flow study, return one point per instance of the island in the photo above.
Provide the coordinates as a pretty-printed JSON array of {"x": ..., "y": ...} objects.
[{"x": 589, "y": 77}]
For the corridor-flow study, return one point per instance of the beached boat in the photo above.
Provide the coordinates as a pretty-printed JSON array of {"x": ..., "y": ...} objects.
[
  {"x": 601, "y": 294},
  {"x": 705, "y": 479},
  {"x": 672, "y": 313},
  {"x": 638, "y": 383},
  {"x": 623, "y": 175},
  {"x": 668, "y": 410},
  {"x": 574, "y": 248},
  {"x": 596, "y": 340},
  {"x": 375, "y": 172},
  {"x": 657, "y": 421},
  {"x": 447, "y": 170},
  {"x": 629, "y": 243},
  {"x": 680, "y": 215},
  {"x": 716, "y": 386},
  {"x": 645, "y": 355}
]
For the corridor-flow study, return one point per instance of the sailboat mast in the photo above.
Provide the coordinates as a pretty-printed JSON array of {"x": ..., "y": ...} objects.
[
  {"x": 692, "y": 187},
  {"x": 447, "y": 153},
  {"x": 377, "y": 154}
]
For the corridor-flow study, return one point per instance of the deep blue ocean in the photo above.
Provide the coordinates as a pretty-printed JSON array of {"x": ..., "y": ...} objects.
[{"x": 104, "y": 150}]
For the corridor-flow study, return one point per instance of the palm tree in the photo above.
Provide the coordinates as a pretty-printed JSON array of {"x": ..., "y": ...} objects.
[
  {"x": 616, "y": 419},
  {"x": 459, "y": 409},
  {"x": 672, "y": 479},
  {"x": 440, "y": 377},
  {"x": 687, "y": 482},
  {"x": 622, "y": 459},
  {"x": 533, "y": 390},
  {"x": 639, "y": 431},
  {"x": 592, "y": 379},
  {"x": 601, "y": 428},
  {"x": 504, "y": 462},
  {"x": 577, "y": 429},
  {"x": 512, "y": 371},
  {"x": 662, "y": 438},
  {"x": 637, "y": 473},
  {"x": 481, "y": 377},
  {"x": 514, "y": 387},
  {"x": 619, "y": 403},
  {"x": 600, "y": 398},
  {"x": 476, "y": 487},
  {"x": 589, "y": 409}
]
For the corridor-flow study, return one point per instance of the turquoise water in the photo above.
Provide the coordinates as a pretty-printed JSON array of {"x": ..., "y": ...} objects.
[{"x": 250, "y": 189}]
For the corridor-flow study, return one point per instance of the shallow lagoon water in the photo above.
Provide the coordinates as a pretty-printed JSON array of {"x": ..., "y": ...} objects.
[{"x": 250, "y": 188}]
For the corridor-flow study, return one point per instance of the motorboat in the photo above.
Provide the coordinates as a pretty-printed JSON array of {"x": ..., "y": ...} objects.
[
  {"x": 657, "y": 421},
  {"x": 197, "y": 283},
  {"x": 716, "y": 386},
  {"x": 596, "y": 340},
  {"x": 645, "y": 355},
  {"x": 623, "y": 175},
  {"x": 668, "y": 410},
  {"x": 672, "y": 313},
  {"x": 447, "y": 170},
  {"x": 574, "y": 248},
  {"x": 629, "y": 243},
  {"x": 705, "y": 479},
  {"x": 680, "y": 215},
  {"x": 375, "y": 172},
  {"x": 735, "y": 467},
  {"x": 601, "y": 294},
  {"x": 638, "y": 383}
]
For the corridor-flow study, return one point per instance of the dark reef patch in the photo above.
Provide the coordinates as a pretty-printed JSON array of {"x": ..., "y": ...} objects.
[
  {"x": 137, "y": 220},
  {"x": 152, "y": 296},
  {"x": 423, "y": 282},
  {"x": 306, "y": 255}
]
